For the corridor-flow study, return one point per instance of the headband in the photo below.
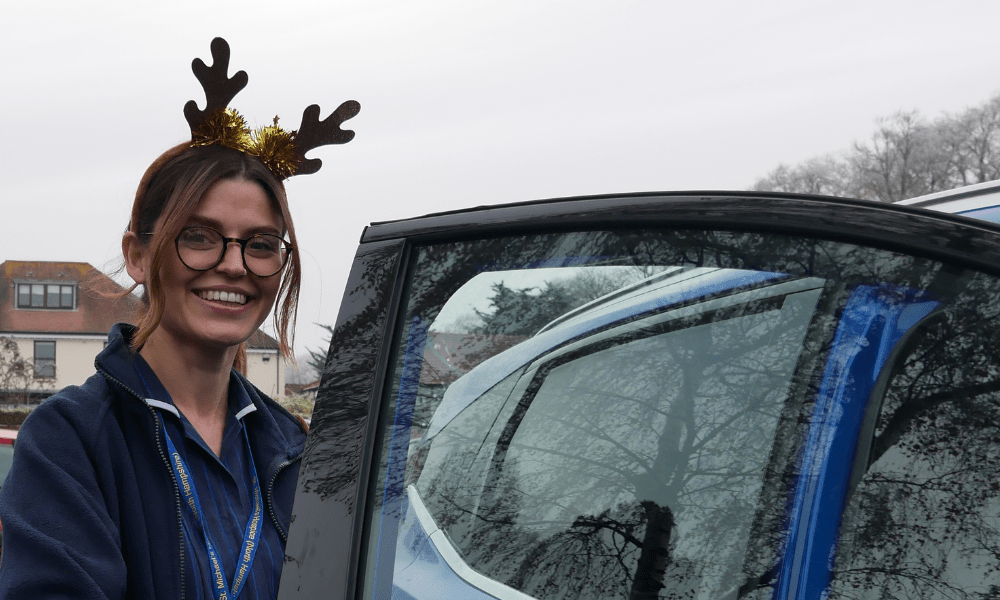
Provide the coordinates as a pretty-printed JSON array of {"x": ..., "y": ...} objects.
[{"x": 283, "y": 152}]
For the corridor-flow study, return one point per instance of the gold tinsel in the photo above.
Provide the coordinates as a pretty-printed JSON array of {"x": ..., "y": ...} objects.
[
  {"x": 226, "y": 128},
  {"x": 275, "y": 147}
]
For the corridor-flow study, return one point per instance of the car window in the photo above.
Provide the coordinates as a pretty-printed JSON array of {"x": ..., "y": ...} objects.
[
  {"x": 924, "y": 519},
  {"x": 645, "y": 439},
  {"x": 688, "y": 428},
  {"x": 6, "y": 458}
]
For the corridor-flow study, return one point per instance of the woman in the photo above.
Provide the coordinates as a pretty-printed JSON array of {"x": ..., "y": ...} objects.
[{"x": 167, "y": 474}]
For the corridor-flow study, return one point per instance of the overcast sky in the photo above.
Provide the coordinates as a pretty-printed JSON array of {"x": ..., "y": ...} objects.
[{"x": 463, "y": 103}]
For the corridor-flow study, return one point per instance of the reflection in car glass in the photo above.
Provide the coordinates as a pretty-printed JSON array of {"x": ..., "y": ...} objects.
[{"x": 687, "y": 415}]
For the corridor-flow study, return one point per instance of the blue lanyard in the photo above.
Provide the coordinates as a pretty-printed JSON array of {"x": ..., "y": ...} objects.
[{"x": 251, "y": 532}]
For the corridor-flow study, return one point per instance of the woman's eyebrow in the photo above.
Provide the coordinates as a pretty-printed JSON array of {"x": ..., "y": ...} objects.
[
  {"x": 214, "y": 224},
  {"x": 200, "y": 220}
]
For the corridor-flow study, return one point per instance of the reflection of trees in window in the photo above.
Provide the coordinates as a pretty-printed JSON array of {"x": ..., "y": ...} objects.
[
  {"x": 631, "y": 465},
  {"x": 925, "y": 520},
  {"x": 615, "y": 527}
]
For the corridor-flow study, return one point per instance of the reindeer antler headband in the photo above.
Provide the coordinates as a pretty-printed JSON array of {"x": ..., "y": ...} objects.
[{"x": 283, "y": 152}]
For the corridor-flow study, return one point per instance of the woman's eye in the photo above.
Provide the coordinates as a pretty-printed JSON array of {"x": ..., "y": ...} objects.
[
  {"x": 198, "y": 237},
  {"x": 264, "y": 244}
]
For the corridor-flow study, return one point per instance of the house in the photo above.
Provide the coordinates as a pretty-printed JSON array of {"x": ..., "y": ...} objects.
[
  {"x": 303, "y": 390},
  {"x": 265, "y": 365},
  {"x": 54, "y": 316}
]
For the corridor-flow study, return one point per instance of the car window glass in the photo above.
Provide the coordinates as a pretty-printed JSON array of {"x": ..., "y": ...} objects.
[
  {"x": 632, "y": 446},
  {"x": 924, "y": 520},
  {"x": 683, "y": 432}
]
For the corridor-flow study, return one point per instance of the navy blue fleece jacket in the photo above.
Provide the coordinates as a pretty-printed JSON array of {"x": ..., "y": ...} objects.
[{"x": 90, "y": 508}]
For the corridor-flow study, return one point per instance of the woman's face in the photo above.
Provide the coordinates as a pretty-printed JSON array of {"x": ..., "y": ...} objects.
[{"x": 224, "y": 305}]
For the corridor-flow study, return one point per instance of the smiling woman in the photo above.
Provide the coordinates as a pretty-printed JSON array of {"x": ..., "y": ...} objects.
[
  {"x": 168, "y": 474},
  {"x": 225, "y": 189}
]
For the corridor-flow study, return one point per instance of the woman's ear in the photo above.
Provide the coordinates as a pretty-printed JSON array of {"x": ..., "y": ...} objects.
[{"x": 136, "y": 257}]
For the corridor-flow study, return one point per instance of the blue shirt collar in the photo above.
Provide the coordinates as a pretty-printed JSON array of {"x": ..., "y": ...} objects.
[{"x": 240, "y": 404}]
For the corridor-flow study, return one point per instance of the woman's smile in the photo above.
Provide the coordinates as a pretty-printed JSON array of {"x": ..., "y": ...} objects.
[
  {"x": 224, "y": 305},
  {"x": 222, "y": 296}
]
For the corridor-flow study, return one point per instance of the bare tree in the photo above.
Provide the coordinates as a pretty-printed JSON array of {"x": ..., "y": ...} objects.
[
  {"x": 827, "y": 175},
  {"x": 897, "y": 162},
  {"x": 978, "y": 142},
  {"x": 906, "y": 156},
  {"x": 17, "y": 375}
]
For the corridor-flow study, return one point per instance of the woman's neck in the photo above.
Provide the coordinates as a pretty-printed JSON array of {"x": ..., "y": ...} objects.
[{"x": 197, "y": 380}]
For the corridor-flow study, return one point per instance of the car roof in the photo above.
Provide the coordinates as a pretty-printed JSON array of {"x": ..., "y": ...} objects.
[
  {"x": 974, "y": 201},
  {"x": 897, "y": 227}
]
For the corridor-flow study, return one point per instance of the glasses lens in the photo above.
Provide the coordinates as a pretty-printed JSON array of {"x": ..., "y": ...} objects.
[
  {"x": 200, "y": 248},
  {"x": 265, "y": 254}
]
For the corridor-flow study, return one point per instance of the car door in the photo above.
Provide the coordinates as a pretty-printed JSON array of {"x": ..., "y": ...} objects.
[{"x": 659, "y": 397}]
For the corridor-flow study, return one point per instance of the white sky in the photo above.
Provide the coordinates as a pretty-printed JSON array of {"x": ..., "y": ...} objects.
[{"x": 463, "y": 103}]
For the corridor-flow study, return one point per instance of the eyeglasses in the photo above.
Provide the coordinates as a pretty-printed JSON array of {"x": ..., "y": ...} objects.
[{"x": 202, "y": 248}]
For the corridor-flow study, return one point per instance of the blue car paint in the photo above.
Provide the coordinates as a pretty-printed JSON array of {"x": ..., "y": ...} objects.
[
  {"x": 393, "y": 493},
  {"x": 421, "y": 572},
  {"x": 873, "y": 321},
  {"x": 989, "y": 213}
]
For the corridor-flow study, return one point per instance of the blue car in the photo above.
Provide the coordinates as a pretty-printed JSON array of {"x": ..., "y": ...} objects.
[
  {"x": 660, "y": 396},
  {"x": 977, "y": 201}
]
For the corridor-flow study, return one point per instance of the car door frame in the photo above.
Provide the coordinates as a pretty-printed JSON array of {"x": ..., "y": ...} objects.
[{"x": 324, "y": 546}]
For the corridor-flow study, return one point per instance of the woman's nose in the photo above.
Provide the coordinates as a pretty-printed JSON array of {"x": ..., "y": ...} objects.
[{"x": 232, "y": 260}]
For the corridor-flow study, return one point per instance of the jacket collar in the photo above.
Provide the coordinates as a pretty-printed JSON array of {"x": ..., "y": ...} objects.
[{"x": 117, "y": 363}]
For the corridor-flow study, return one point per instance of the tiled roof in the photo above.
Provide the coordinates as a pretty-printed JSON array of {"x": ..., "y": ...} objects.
[
  {"x": 261, "y": 341},
  {"x": 94, "y": 313},
  {"x": 448, "y": 356}
]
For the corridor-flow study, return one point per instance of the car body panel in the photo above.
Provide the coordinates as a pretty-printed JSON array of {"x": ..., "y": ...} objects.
[{"x": 978, "y": 201}]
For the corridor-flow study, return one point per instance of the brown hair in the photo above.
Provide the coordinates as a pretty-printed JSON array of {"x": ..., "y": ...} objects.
[{"x": 172, "y": 188}]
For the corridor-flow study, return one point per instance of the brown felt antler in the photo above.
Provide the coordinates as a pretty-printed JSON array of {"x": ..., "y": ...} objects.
[
  {"x": 220, "y": 89},
  {"x": 314, "y": 133},
  {"x": 283, "y": 152}
]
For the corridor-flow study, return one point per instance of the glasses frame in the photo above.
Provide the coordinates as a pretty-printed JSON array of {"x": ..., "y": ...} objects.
[{"x": 225, "y": 248}]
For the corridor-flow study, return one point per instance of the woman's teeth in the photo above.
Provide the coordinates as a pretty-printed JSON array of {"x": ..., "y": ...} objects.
[{"x": 223, "y": 296}]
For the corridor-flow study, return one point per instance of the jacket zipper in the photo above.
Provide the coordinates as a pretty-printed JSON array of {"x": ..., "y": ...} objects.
[
  {"x": 166, "y": 461},
  {"x": 270, "y": 497}
]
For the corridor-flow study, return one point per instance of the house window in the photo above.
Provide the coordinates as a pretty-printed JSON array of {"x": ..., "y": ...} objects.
[
  {"x": 45, "y": 359},
  {"x": 46, "y": 295}
]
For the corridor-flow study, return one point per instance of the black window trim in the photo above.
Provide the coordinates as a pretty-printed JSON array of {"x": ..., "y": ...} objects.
[
  {"x": 921, "y": 232},
  {"x": 45, "y": 284},
  {"x": 34, "y": 359}
]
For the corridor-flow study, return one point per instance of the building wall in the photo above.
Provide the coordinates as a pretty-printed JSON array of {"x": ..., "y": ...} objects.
[
  {"x": 75, "y": 363},
  {"x": 74, "y": 359},
  {"x": 266, "y": 370}
]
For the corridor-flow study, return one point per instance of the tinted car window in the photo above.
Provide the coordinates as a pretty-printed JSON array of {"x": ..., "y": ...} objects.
[
  {"x": 652, "y": 436},
  {"x": 924, "y": 519},
  {"x": 695, "y": 432}
]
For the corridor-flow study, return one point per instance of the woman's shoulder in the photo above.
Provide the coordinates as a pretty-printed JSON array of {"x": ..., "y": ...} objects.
[
  {"x": 291, "y": 426},
  {"x": 80, "y": 408}
]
